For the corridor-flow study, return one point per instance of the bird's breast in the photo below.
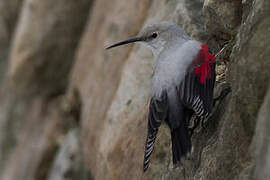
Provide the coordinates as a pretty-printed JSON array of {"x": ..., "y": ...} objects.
[{"x": 172, "y": 65}]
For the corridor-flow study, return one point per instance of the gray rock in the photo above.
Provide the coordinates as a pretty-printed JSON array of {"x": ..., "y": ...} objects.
[
  {"x": 9, "y": 11},
  {"x": 40, "y": 59},
  {"x": 121, "y": 131},
  {"x": 68, "y": 162},
  {"x": 249, "y": 67},
  {"x": 43, "y": 47},
  {"x": 108, "y": 91},
  {"x": 96, "y": 75},
  {"x": 222, "y": 17},
  {"x": 261, "y": 141}
]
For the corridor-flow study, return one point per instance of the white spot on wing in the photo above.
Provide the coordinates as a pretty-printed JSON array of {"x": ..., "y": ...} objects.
[{"x": 198, "y": 107}]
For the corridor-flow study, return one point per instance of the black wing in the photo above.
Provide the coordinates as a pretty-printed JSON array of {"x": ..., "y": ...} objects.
[
  {"x": 157, "y": 113},
  {"x": 198, "y": 95}
]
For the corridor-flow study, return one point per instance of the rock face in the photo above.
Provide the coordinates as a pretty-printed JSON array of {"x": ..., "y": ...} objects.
[
  {"x": 71, "y": 110},
  {"x": 96, "y": 73},
  {"x": 9, "y": 11},
  {"x": 68, "y": 162},
  {"x": 41, "y": 55},
  {"x": 222, "y": 17},
  {"x": 45, "y": 47},
  {"x": 260, "y": 142},
  {"x": 249, "y": 70}
]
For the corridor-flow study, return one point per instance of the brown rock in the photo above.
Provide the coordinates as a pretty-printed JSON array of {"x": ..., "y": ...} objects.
[
  {"x": 9, "y": 11},
  {"x": 44, "y": 43},
  {"x": 68, "y": 162},
  {"x": 249, "y": 67},
  {"x": 8, "y": 18},
  {"x": 114, "y": 120},
  {"x": 227, "y": 154},
  {"x": 41, "y": 57},
  {"x": 222, "y": 17},
  {"x": 109, "y": 91},
  {"x": 261, "y": 143},
  {"x": 97, "y": 72},
  {"x": 36, "y": 142}
]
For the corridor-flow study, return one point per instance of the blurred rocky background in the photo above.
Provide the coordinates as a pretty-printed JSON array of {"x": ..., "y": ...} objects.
[{"x": 69, "y": 110}]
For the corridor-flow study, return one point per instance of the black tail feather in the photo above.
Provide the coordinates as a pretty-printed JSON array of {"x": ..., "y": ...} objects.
[
  {"x": 181, "y": 144},
  {"x": 157, "y": 113},
  {"x": 149, "y": 147}
]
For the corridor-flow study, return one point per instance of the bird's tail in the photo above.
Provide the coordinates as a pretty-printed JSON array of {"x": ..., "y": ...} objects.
[
  {"x": 181, "y": 144},
  {"x": 149, "y": 147}
]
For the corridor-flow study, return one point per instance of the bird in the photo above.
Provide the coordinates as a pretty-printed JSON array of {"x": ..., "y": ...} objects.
[{"x": 182, "y": 85}]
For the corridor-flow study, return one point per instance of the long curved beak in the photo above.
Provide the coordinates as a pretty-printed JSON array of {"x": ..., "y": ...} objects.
[{"x": 125, "y": 42}]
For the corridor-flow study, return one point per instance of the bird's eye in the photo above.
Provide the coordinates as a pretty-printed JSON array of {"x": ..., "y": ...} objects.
[{"x": 154, "y": 35}]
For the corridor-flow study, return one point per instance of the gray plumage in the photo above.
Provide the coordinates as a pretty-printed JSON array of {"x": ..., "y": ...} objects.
[{"x": 183, "y": 83}]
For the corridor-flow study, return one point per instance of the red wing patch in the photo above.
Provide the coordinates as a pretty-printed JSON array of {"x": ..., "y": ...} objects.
[{"x": 205, "y": 59}]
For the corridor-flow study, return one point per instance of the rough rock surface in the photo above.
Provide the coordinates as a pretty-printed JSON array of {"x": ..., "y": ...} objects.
[
  {"x": 9, "y": 11},
  {"x": 71, "y": 110},
  {"x": 129, "y": 106},
  {"x": 249, "y": 68},
  {"x": 222, "y": 17},
  {"x": 260, "y": 142},
  {"x": 97, "y": 72},
  {"x": 44, "y": 45},
  {"x": 42, "y": 51},
  {"x": 68, "y": 162}
]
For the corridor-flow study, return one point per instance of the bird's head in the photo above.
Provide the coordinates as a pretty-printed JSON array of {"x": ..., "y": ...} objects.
[{"x": 157, "y": 36}]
